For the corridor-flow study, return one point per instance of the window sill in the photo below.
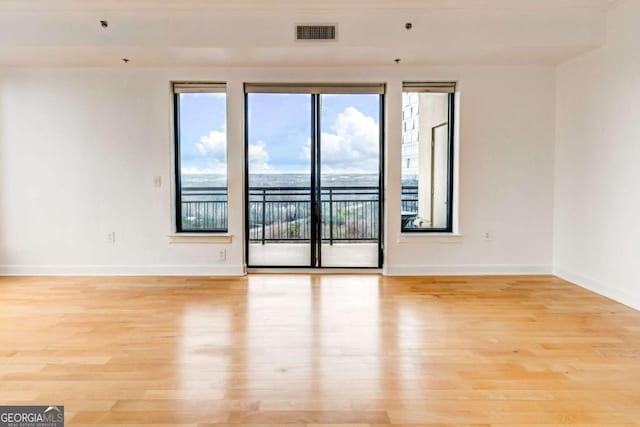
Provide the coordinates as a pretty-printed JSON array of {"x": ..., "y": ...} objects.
[
  {"x": 430, "y": 237},
  {"x": 200, "y": 238}
]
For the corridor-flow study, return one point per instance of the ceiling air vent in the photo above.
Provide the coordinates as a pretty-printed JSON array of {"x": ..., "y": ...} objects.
[{"x": 306, "y": 32}]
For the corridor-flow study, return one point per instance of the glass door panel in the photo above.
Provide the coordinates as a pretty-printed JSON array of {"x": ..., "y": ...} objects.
[
  {"x": 349, "y": 180},
  {"x": 279, "y": 171}
]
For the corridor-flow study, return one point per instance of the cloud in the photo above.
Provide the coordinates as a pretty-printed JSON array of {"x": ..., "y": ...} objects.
[
  {"x": 213, "y": 147},
  {"x": 259, "y": 158},
  {"x": 214, "y": 144},
  {"x": 352, "y": 146}
]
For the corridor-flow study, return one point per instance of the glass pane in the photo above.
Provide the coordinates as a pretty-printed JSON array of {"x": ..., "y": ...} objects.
[
  {"x": 350, "y": 179},
  {"x": 279, "y": 166},
  {"x": 203, "y": 161},
  {"x": 425, "y": 161}
]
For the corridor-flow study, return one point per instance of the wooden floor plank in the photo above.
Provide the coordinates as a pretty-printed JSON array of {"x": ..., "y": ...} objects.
[{"x": 312, "y": 350}]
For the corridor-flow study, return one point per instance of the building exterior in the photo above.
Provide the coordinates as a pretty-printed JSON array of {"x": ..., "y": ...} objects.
[
  {"x": 424, "y": 156},
  {"x": 410, "y": 137}
]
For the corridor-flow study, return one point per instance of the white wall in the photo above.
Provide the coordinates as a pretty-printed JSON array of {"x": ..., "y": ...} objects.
[
  {"x": 79, "y": 149},
  {"x": 597, "y": 198},
  {"x": 506, "y": 136}
]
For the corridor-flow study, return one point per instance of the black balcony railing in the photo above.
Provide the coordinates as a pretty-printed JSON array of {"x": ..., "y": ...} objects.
[
  {"x": 409, "y": 199},
  {"x": 279, "y": 214},
  {"x": 348, "y": 214},
  {"x": 204, "y": 208}
]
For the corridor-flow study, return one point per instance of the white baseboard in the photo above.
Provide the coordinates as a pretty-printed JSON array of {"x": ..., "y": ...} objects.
[
  {"x": 465, "y": 269},
  {"x": 604, "y": 289},
  {"x": 238, "y": 270},
  {"x": 121, "y": 270}
]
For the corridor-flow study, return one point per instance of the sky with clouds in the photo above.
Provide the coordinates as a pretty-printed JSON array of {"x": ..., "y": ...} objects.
[{"x": 279, "y": 133}]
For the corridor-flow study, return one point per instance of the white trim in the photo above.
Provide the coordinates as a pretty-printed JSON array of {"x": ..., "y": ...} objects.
[
  {"x": 465, "y": 269},
  {"x": 200, "y": 238},
  {"x": 122, "y": 270},
  {"x": 601, "y": 288},
  {"x": 430, "y": 238}
]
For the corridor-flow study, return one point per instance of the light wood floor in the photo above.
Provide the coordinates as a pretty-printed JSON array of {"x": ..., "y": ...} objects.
[{"x": 319, "y": 350}]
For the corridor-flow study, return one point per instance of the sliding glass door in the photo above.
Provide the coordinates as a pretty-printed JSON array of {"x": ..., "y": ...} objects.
[
  {"x": 313, "y": 162},
  {"x": 279, "y": 179},
  {"x": 349, "y": 179}
]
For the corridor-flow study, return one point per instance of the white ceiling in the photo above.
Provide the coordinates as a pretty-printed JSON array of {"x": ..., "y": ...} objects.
[{"x": 260, "y": 32}]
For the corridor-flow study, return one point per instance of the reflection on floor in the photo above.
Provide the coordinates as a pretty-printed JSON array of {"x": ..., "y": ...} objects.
[
  {"x": 301, "y": 350},
  {"x": 298, "y": 254}
]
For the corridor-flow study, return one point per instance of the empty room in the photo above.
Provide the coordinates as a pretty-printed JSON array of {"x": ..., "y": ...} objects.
[{"x": 319, "y": 213}]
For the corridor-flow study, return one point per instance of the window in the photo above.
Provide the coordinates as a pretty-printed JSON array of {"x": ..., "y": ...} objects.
[
  {"x": 200, "y": 157},
  {"x": 427, "y": 151}
]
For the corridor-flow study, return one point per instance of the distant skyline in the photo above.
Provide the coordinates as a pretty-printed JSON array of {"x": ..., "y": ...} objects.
[{"x": 279, "y": 133}]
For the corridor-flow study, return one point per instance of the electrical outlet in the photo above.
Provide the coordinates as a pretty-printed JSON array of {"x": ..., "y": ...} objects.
[
  {"x": 157, "y": 181},
  {"x": 222, "y": 254},
  {"x": 111, "y": 236},
  {"x": 487, "y": 236}
]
